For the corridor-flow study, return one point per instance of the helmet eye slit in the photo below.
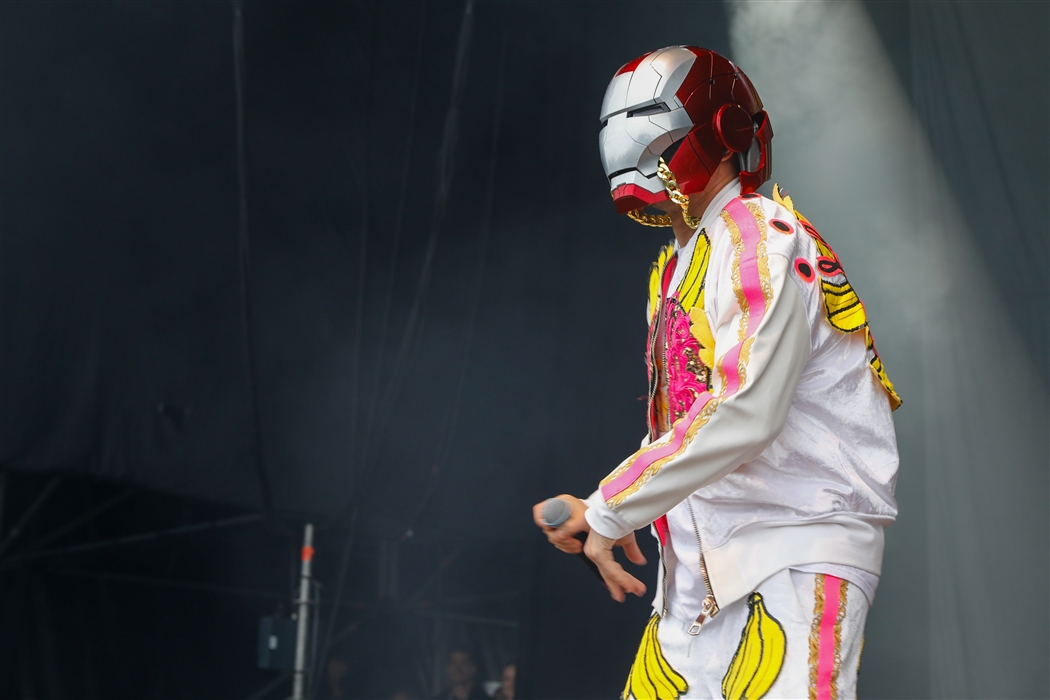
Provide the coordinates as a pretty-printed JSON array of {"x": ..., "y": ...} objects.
[{"x": 658, "y": 108}]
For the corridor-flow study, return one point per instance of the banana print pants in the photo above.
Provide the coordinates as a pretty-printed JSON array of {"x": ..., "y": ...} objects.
[{"x": 799, "y": 635}]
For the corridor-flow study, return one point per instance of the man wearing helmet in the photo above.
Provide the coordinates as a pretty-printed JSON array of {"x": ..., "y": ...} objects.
[{"x": 767, "y": 473}]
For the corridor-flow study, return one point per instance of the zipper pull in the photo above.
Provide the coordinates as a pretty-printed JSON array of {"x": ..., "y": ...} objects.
[{"x": 708, "y": 608}]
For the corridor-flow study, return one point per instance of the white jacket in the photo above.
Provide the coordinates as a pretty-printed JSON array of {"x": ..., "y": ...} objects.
[{"x": 773, "y": 449}]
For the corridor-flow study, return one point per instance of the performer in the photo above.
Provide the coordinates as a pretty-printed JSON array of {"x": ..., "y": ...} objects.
[{"x": 768, "y": 470}]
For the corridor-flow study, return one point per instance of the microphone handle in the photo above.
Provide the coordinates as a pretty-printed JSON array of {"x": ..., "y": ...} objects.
[{"x": 582, "y": 537}]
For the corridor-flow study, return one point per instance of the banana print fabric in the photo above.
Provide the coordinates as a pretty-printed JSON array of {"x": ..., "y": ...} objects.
[{"x": 821, "y": 619}]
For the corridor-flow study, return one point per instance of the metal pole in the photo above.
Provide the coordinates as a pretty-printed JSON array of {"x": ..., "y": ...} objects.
[
  {"x": 303, "y": 613},
  {"x": 334, "y": 615}
]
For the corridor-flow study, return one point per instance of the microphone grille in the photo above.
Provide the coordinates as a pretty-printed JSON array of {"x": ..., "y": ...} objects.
[{"x": 555, "y": 512}]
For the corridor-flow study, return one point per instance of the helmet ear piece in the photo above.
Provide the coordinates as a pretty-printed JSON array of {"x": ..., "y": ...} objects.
[
  {"x": 734, "y": 128},
  {"x": 754, "y": 174}
]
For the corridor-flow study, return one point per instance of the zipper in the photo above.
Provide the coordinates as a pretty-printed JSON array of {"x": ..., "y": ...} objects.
[
  {"x": 654, "y": 380},
  {"x": 708, "y": 606},
  {"x": 663, "y": 581},
  {"x": 657, "y": 367},
  {"x": 651, "y": 418}
]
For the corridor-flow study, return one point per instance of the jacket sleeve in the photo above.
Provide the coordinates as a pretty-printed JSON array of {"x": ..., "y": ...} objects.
[{"x": 761, "y": 346}]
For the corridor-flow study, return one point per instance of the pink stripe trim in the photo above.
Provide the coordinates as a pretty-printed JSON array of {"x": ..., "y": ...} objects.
[
  {"x": 751, "y": 283},
  {"x": 731, "y": 369},
  {"x": 826, "y": 654},
  {"x": 648, "y": 457}
]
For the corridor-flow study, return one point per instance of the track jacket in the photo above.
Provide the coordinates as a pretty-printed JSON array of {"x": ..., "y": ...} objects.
[{"x": 770, "y": 443}]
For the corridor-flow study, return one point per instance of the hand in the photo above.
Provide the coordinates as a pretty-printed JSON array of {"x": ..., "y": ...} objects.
[
  {"x": 599, "y": 549},
  {"x": 564, "y": 536}
]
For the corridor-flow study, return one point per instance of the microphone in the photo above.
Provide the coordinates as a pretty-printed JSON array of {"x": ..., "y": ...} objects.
[{"x": 555, "y": 512}]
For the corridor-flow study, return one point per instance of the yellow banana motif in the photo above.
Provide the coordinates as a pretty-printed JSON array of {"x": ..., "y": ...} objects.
[
  {"x": 654, "y": 279},
  {"x": 701, "y": 330},
  {"x": 758, "y": 659},
  {"x": 651, "y": 677},
  {"x": 843, "y": 307},
  {"x": 691, "y": 288}
]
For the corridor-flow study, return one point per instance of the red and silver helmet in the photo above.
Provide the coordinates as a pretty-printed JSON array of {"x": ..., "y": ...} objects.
[{"x": 688, "y": 106}]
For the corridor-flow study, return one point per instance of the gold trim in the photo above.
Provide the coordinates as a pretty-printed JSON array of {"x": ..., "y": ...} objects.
[
  {"x": 745, "y": 357},
  {"x": 738, "y": 288},
  {"x": 760, "y": 250},
  {"x": 860, "y": 653},
  {"x": 843, "y": 586},
  {"x": 700, "y": 421},
  {"x": 741, "y": 298},
  {"x": 762, "y": 262},
  {"x": 814, "y": 634}
]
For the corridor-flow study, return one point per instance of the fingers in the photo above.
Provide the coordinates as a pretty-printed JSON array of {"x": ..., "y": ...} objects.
[
  {"x": 620, "y": 582},
  {"x": 562, "y": 540},
  {"x": 632, "y": 550},
  {"x": 599, "y": 550},
  {"x": 570, "y": 545}
]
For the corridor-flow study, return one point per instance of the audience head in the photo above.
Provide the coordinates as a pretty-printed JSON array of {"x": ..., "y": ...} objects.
[
  {"x": 510, "y": 671},
  {"x": 461, "y": 668}
]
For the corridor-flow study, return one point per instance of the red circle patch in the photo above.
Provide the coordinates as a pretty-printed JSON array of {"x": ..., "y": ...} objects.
[
  {"x": 804, "y": 269},
  {"x": 781, "y": 225}
]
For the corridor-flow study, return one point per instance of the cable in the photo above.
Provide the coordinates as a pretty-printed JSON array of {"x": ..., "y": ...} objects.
[
  {"x": 373, "y": 409},
  {"x": 446, "y": 169},
  {"x": 244, "y": 253},
  {"x": 449, "y": 426}
]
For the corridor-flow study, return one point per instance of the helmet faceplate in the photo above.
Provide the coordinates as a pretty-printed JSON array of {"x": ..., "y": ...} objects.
[{"x": 688, "y": 105}]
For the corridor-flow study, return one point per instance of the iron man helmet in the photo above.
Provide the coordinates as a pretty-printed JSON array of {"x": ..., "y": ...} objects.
[{"x": 687, "y": 106}]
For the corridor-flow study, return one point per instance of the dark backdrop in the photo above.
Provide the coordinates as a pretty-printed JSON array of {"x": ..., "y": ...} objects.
[
  {"x": 126, "y": 352},
  {"x": 124, "y": 344},
  {"x": 443, "y": 319}
]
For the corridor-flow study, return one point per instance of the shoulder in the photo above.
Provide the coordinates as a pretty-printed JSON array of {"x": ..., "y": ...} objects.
[
  {"x": 767, "y": 226},
  {"x": 783, "y": 233},
  {"x": 758, "y": 228}
]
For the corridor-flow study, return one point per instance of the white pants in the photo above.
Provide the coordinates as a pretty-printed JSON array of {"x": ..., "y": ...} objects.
[{"x": 798, "y": 636}]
